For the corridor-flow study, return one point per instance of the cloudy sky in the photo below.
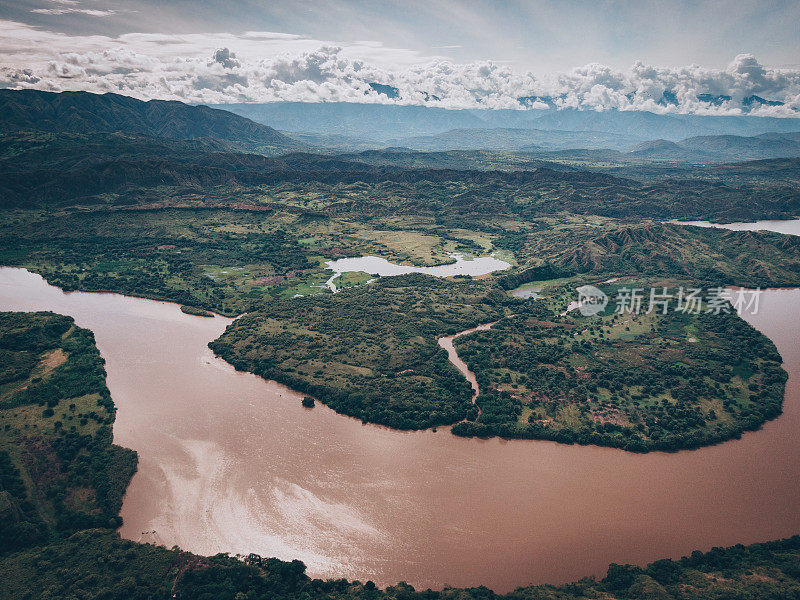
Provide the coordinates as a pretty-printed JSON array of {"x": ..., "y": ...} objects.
[{"x": 707, "y": 56}]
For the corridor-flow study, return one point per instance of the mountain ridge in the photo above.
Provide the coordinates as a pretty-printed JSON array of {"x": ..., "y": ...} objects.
[
  {"x": 85, "y": 112},
  {"x": 380, "y": 122},
  {"x": 723, "y": 147}
]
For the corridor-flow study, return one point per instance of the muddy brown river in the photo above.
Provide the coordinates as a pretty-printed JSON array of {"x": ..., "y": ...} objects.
[{"x": 230, "y": 462}]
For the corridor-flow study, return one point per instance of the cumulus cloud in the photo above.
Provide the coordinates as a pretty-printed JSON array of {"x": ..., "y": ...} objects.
[
  {"x": 226, "y": 58},
  {"x": 267, "y": 67}
]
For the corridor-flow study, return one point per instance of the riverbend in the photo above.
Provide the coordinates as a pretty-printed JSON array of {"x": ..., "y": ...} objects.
[{"x": 230, "y": 462}]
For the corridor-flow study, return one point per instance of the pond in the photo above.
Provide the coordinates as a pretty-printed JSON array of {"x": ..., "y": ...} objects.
[{"x": 375, "y": 265}]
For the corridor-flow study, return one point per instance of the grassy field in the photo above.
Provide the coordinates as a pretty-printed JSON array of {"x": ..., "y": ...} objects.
[
  {"x": 233, "y": 261},
  {"x": 222, "y": 260}
]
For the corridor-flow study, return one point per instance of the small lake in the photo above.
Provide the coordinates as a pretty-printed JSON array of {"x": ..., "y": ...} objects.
[
  {"x": 791, "y": 227},
  {"x": 375, "y": 265},
  {"x": 526, "y": 290}
]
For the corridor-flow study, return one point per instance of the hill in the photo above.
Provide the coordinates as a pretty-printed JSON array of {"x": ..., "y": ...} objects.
[
  {"x": 722, "y": 148},
  {"x": 733, "y": 147},
  {"x": 86, "y": 113},
  {"x": 545, "y": 143},
  {"x": 519, "y": 139},
  {"x": 462, "y": 160},
  {"x": 78, "y": 170}
]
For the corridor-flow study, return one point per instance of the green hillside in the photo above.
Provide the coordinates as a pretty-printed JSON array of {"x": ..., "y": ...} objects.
[{"x": 59, "y": 472}]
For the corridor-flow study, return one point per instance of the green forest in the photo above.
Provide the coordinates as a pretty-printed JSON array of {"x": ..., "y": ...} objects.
[
  {"x": 99, "y": 565},
  {"x": 370, "y": 352},
  {"x": 639, "y": 381},
  {"x": 59, "y": 471}
]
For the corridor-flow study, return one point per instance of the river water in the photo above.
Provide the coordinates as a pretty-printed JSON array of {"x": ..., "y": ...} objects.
[
  {"x": 230, "y": 462},
  {"x": 791, "y": 226}
]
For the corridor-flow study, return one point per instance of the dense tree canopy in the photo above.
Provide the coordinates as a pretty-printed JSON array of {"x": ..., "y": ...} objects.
[{"x": 56, "y": 414}]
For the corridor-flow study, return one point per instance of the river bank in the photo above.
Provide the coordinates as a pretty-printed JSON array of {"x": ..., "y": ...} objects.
[{"x": 230, "y": 462}]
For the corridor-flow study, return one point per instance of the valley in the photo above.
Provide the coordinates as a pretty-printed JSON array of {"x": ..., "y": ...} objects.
[
  {"x": 257, "y": 235},
  {"x": 277, "y": 315}
]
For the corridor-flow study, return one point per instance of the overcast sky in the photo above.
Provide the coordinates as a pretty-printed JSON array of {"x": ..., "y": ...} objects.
[{"x": 605, "y": 54}]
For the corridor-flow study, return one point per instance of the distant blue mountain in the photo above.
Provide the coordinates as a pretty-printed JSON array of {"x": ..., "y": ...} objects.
[
  {"x": 756, "y": 100},
  {"x": 378, "y": 123},
  {"x": 649, "y": 125},
  {"x": 722, "y": 148},
  {"x": 714, "y": 99}
]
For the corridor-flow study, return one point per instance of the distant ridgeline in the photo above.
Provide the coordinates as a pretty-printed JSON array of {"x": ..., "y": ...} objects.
[{"x": 395, "y": 123}]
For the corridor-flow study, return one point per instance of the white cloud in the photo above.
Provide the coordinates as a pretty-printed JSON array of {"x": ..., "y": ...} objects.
[
  {"x": 226, "y": 58},
  {"x": 92, "y": 12},
  {"x": 266, "y": 66},
  {"x": 68, "y": 7}
]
